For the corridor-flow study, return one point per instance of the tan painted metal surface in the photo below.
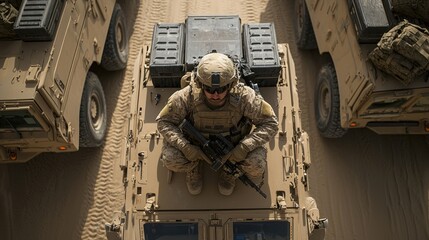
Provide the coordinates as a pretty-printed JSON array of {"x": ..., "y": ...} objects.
[
  {"x": 44, "y": 80},
  {"x": 367, "y": 96},
  {"x": 155, "y": 195}
]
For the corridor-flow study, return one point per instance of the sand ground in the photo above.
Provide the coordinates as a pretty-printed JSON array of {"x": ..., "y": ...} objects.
[{"x": 369, "y": 186}]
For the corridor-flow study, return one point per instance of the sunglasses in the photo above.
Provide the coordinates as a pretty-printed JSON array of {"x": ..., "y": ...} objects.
[{"x": 212, "y": 90}]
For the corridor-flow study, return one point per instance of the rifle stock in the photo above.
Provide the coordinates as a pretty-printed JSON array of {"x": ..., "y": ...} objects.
[{"x": 215, "y": 147}]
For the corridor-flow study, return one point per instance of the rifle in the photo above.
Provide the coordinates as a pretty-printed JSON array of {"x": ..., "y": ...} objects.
[
  {"x": 215, "y": 147},
  {"x": 248, "y": 76}
]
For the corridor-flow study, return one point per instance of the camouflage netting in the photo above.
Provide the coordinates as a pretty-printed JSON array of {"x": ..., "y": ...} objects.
[
  {"x": 412, "y": 8},
  {"x": 403, "y": 52},
  {"x": 8, "y": 14}
]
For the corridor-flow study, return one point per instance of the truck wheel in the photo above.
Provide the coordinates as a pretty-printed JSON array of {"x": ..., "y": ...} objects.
[
  {"x": 327, "y": 103},
  {"x": 115, "y": 53},
  {"x": 305, "y": 38},
  {"x": 92, "y": 119}
]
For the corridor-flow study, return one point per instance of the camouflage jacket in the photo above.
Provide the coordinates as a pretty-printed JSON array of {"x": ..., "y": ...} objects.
[{"x": 181, "y": 104}]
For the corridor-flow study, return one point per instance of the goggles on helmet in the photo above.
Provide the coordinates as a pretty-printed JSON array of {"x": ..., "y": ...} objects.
[{"x": 212, "y": 90}]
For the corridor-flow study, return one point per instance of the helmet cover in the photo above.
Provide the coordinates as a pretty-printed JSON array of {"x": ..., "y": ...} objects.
[{"x": 216, "y": 70}]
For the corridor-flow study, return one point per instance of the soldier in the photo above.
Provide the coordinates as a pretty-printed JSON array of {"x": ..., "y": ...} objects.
[{"x": 216, "y": 103}]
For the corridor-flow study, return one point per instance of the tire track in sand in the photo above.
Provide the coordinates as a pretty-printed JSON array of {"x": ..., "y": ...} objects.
[
  {"x": 248, "y": 12},
  {"x": 151, "y": 13},
  {"x": 107, "y": 195}
]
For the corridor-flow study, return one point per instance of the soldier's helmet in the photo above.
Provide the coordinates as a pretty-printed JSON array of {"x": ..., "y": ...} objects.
[{"x": 216, "y": 70}]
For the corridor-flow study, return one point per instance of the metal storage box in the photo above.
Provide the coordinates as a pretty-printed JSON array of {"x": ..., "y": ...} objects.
[
  {"x": 371, "y": 18},
  {"x": 208, "y": 34},
  {"x": 261, "y": 53},
  {"x": 38, "y": 19},
  {"x": 166, "y": 59}
]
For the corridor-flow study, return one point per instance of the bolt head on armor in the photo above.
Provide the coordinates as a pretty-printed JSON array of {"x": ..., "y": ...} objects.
[{"x": 216, "y": 70}]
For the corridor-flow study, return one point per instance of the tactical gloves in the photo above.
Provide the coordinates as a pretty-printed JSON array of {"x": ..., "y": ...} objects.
[
  {"x": 194, "y": 153},
  {"x": 238, "y": 154}
]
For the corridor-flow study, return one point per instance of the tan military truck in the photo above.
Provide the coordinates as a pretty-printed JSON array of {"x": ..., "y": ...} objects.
[
  {"x": 51, "y": 99},
  {"x": 352, "y": 91},
  {"x": 157, "y": 203}
]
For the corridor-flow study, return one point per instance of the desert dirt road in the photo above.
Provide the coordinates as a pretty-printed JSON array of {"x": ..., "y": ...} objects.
[{"x": 369, "y": 186}]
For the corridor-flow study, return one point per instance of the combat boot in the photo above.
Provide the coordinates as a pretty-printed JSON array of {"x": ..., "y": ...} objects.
[
  {"x": 194, "y": 180},
  {"x": 226, "y": 183}
]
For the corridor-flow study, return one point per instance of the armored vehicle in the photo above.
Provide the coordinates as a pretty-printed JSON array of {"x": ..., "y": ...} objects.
[
  {"x": 158, "y": 204},
  {"x": 352, "y": 90},
  {"x": 51, "y": 99}
]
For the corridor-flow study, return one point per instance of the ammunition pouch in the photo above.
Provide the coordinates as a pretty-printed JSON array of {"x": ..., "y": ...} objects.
[
  {"x": 8, "y": 15},
  {"x": 403, "y": 52}
]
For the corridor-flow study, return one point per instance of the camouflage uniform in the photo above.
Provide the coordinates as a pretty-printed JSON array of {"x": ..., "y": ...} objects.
[
  {"x": 242, "y": 101},
  {"x": 8, "y": 14}
]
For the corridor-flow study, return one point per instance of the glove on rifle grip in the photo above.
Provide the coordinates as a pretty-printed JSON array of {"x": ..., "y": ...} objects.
[
  {"x": 239, "y": 153},
  {"x": 193, "y": 153}
]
